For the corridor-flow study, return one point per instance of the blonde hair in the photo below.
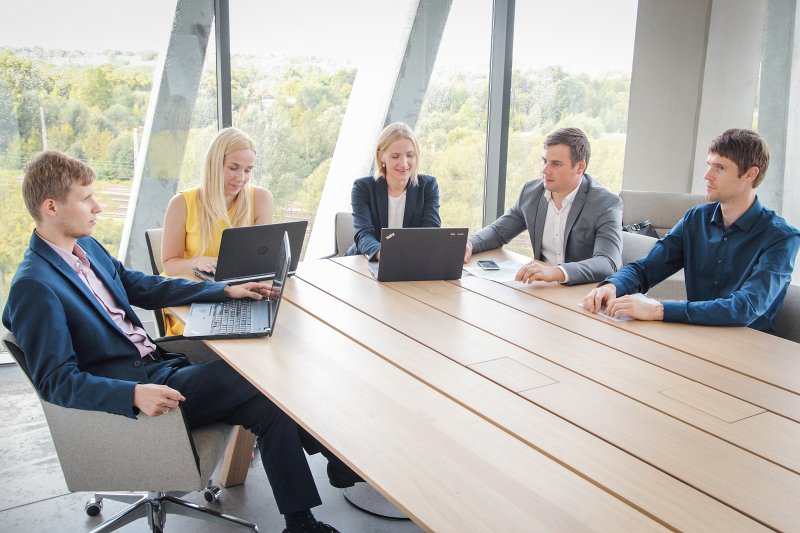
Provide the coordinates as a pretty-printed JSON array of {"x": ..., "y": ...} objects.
[
  {"x": 392, "y": 132},
  {"x": 213, "y": 210},
  {"x": 50, "y": 174}
]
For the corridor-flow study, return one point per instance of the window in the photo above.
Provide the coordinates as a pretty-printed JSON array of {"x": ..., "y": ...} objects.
[
  {"x": 571, "y": 68},
  {"x": 79, "y": 80},
  {"x": 452, "y": 122}
]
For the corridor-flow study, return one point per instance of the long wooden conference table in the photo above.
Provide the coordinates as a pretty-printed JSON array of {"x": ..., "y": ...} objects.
[{"x": 474, "y": 405}]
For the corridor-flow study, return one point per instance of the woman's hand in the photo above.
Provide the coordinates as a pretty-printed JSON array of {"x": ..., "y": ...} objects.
[{"x": 206, "y": 264}]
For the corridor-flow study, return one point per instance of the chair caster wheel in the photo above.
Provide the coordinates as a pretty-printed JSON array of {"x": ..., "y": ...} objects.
[
  {"x": 93, "y": 507},
  {"x": 212, "y": 493}
]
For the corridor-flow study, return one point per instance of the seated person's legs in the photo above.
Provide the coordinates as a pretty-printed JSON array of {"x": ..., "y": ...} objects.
[
  {"x": 215, "y": 392},
  {"x": 340, "y": 475}
]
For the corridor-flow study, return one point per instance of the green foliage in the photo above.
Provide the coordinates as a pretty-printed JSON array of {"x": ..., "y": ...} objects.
[{"x": 294, "y": 111}]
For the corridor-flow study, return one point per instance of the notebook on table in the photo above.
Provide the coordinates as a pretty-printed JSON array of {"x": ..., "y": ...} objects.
[
  {"x": 243, "y": 317},
  {"x": 420, "y": 254},
  {"x": 250, "y": 253}
]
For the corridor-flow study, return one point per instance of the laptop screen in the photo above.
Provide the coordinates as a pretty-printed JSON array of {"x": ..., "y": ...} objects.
[{"x": 281, "y": 271}]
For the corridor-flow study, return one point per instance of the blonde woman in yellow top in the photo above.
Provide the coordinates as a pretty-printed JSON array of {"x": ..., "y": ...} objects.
[{"x": 195, "y": 218}]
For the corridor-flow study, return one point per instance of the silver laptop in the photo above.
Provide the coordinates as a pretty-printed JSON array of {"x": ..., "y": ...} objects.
[
  {"x": 420, "y": 254},
  {"x": 250, "y": 253},
  {"x": 244, "y": 317}
]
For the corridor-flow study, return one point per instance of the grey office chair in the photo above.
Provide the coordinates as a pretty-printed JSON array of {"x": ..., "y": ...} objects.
[
  {"x": 637, "y": 246},
  {"x": 662, "y": 209},
  {"x": 153, "y": 238},
  {"x": 343, "y": 233},
  {"x": 787, "y": 323},
  {"x": 102, "y": 451}
]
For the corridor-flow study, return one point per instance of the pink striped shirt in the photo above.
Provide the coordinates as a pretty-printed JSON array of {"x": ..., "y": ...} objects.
[{"x": 78, "y": 261}]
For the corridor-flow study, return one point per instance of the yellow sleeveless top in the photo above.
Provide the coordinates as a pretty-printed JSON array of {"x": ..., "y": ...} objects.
[
  {"x": 172, "y": 325},
  {"x": 193, "y": 207}
]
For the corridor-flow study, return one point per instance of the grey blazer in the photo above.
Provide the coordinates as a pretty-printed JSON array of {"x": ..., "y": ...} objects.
[{"x": 593, "y": 249}]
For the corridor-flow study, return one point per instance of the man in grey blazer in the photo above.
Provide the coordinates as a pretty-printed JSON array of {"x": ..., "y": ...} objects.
[{"x": 575, "y": 224}]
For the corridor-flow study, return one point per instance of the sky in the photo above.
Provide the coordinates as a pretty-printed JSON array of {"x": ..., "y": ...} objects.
[{"x": 582, "y": 35}]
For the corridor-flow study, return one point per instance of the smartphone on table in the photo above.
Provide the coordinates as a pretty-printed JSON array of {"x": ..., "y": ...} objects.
[{"x": 488, "y": 264}]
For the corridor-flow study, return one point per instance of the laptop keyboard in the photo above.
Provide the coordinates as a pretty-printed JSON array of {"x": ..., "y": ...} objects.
[{"x": 232, "y": 317}]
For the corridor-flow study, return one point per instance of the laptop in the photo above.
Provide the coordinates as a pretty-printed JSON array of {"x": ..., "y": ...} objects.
[
  {"x": 250, "y": 253},
  {"x": 420, "y": 254},
  {"x": 244, "y": 317}
]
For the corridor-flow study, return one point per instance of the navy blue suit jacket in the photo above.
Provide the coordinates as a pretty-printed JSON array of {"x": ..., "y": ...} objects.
[
  {"x": 77, "y": 356},
  {"x": 370, "y": 200}
]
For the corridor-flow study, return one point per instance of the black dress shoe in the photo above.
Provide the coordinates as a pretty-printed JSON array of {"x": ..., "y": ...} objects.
[
  {"x": 319, "y": 527},
  {"x": 341, "y": 476}
]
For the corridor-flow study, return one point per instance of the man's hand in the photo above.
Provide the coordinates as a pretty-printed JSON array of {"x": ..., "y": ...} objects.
[
  {"x": 468, "y": 252},
  {"x": 636, "y": 306},
  {"x": 538, "y": 271},
  {"x": 254, "y": 289},
  {"x": 599, "y": 297},
  {"x": 206, "y": 264},
  {"x": 155, "y": 400}
]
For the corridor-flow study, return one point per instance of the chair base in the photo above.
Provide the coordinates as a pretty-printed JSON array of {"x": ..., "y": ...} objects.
[
  {"x": 155, "y": 506},
  {"x": 364, "y": 498}
]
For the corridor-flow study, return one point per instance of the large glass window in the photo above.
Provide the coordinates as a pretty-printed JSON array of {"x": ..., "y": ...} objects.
[
  {"x": 572, "y": 68},
  {"x": 292, "y": 68},
  {"x": 76, "y": 77},
  {"x": 452, "y": 122}
]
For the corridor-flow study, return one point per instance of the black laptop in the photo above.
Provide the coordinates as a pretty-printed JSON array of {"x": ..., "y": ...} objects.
[
  {"x": 420, "y": 254},
  {"x": 244, "y": 317},
  {"x": 250, "y": 253}
]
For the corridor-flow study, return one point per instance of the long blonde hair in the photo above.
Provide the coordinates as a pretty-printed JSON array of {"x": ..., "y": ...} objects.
[
  {"x": 213, "y": 211},
  {"x": 392, "y": 132}
]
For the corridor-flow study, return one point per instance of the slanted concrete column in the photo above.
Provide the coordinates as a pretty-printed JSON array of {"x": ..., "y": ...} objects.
[
  {"x": 730, "y": 77},
  {"x": 779, "y": 109},
  {"x": 695, "y": 74},
  {"x": 166, "y": 128}
]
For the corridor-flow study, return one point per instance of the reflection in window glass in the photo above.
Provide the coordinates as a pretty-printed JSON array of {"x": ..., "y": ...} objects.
[
  {"x": 572, "y": 68},
  {"x": 452, "y": 123},
  {"x": 84, "y": 92},
  {"x": 291, "y": 79}
]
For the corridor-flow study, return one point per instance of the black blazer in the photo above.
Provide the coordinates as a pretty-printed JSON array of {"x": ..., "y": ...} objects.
[{"x": 370, "y": 200}]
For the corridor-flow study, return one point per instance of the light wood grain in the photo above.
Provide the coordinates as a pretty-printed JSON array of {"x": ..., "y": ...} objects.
[
  {"x": 634, "y": 481},
  {"x": 443, "y": 465},
  {"x": 549, "y": 349},
  {"x": 713, "y": 402}
]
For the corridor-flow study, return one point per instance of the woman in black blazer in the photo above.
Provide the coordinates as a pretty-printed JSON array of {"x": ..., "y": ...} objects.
[{"x": 396, "y": 197}]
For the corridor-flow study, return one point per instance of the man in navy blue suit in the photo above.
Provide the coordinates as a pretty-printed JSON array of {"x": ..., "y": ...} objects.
[{"x": 69, "y": 308}]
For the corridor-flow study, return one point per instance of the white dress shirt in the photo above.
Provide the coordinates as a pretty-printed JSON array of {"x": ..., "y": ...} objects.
[
  {"x": 397, "y": 208},
  {"x": 555, "y": 223}
]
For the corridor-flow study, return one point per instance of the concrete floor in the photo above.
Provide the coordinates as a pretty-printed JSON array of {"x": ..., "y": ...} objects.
[{"x": 35, "y": 497}]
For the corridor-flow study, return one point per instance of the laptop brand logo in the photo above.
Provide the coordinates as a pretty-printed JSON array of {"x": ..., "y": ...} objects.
[{"x": 389, "y": 236}]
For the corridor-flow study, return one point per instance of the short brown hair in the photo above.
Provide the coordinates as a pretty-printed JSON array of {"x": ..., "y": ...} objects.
[
  {"x": 50, "y": 174},
  {"x": 746, "y": 148},
  {"x": 579, "y": 148}
]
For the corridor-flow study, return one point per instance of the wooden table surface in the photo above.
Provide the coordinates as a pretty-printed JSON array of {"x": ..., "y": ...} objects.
[{"x": 479, "y": 406}]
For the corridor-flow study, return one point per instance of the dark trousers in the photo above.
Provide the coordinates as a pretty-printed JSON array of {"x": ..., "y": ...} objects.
[{"x": 217, "y": 393}]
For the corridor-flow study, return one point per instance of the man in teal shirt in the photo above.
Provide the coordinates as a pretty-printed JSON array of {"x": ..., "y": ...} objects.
[{"x": 737, "y": 255}]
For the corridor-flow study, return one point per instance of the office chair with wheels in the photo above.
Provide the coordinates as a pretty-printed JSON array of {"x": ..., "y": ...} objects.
[
  {"x": 343, "y": 233},
  {"x": 156, "y": 455}
]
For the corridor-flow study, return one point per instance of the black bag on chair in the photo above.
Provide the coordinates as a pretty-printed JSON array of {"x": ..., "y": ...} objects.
[{"x": 644, "y": 227}]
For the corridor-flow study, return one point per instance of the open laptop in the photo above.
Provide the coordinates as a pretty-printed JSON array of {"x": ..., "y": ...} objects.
[
  {"x": 243, "y": 317},
  {"x": 419, "y": 254},
  {"x": 250, "y": 253}
]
